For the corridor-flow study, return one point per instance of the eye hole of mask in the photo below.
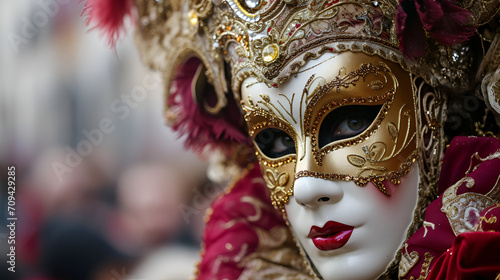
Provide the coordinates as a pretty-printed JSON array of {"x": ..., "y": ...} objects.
[
  {"x": 346, "y": 122},
  {"x": 275, "y": 143}
]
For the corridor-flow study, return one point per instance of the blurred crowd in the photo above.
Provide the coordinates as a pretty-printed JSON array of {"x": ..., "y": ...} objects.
[{"x": 104, "y": 190}]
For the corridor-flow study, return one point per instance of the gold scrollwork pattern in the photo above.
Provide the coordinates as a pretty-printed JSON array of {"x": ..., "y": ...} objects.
[
  {"x": 407, "y": 262},
  {"x": 203, "y": 8},
  {"x": 277, "y": 182},
  {"x": 424, "y": 272},
  {"x": 345, "y": 81},
  {"x": 377, "y": 180},
  {"x": 430, "y": 107},
  {"x": 377, "y": 152},
  {"x": 463, "y": 211},
  {"x": 279, "y": 37}
]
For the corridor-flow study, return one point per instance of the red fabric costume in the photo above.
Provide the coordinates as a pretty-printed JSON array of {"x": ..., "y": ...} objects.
[{"x": 470, "y": 255}]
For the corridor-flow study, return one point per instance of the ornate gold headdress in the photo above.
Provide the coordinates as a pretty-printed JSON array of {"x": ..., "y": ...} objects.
[
  {"x": 273, "y": 39},
  {"x": 270, "y": 40}
]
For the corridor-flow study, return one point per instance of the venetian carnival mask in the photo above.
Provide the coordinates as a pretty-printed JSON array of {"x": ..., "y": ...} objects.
[
  {"x": 335, "y": 145},
  {"x": 337, "y": 105},
  {"x": 329, "y": 104},
  {"x": 349, "y": 118}
]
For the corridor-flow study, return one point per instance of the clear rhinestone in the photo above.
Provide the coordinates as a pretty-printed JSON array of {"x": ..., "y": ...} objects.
[
  {"x": 252, "y": 4},
  {"x": 270, "y": 53}
]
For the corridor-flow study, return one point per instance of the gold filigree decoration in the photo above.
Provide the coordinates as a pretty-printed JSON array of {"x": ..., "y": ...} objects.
[
  {"x": 304, "y": 100},
  {"x": 320, "y": 153},
  {"x": 424, "y": 271},
  {"x": 376, "y": 153},
  {"x": 275, "y": 163},
  {"x": 481, "y": 10},
  {"x": 430, "y": 108},
  {"x": 273, "y": 238},
  {"x": 277, "y": 182},
  {"x": 290, "y": 105},
  {"x": 496, "y": 90},
  {"x": 343, "y": 81},
  {"x": 276, "y": 257},
  {"x": 481, "y": 125},
  {"x": 428, "y": 224},
  {"x": 490, "y": 220},
  {"x": 377, "y": 180},
  {"x": 408, "y": 261},
  {"x": 272, "y": 40},
  {"x": 270, "y": 112},
  {"x": 463, "y": 211},
  {"x": 257, "y": 205},
  {"x": 203, "y": 8}
]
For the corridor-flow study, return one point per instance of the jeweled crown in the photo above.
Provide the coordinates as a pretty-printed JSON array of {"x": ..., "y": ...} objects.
[
  {"x": 268, "y": 39},
  {"x": 273, "y": 39},
  {"x": 226, "y": 41}
]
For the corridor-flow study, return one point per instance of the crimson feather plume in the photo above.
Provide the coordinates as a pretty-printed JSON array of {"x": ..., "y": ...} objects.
[
  {"x": 108, "y": 16},
  {"x": 202, "y": 129},
  {"x": 444, "y": 20}
]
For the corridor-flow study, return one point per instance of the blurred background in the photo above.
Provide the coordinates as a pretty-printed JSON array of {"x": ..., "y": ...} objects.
[{"x": 103, "y": 189}]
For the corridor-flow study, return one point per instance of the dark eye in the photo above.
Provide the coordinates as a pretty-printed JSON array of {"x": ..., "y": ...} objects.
[
  {"x": 275, "y": 143},
  {"x": 346, "y": 122}
]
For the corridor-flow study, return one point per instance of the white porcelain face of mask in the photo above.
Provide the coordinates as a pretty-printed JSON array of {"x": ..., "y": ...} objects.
[{"x": 337, "y": 148}]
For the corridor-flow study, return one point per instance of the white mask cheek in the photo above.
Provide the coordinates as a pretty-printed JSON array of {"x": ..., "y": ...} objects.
[{"x": 380, "y": 224}]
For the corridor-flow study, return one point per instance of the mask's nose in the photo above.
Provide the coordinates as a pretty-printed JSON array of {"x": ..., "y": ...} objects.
[{"x": 313, "y": 192}]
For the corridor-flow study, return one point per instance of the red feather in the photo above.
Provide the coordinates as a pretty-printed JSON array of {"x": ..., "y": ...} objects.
[
  {"x": 202, "y": 129},
  {"x": 108, "y": 16},
  {"x": 444, "y": 20}
]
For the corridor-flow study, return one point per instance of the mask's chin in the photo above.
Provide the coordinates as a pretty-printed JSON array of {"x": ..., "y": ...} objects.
[{"x": 380, "y": 226}]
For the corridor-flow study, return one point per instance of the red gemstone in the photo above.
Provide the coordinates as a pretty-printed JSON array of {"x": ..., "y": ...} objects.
[
  {"x": 275, "y": 85},
  {"x": 297, "y": 25}
]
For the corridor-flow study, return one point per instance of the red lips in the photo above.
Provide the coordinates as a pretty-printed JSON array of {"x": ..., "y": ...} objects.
[{"x": 331, "y": 236}]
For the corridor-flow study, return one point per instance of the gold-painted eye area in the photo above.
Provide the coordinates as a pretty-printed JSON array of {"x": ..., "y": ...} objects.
[
  {"x": 353, "y": 121},
  {"x": 275, "y": 143},
  {"x": 346, "y": 122}
]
